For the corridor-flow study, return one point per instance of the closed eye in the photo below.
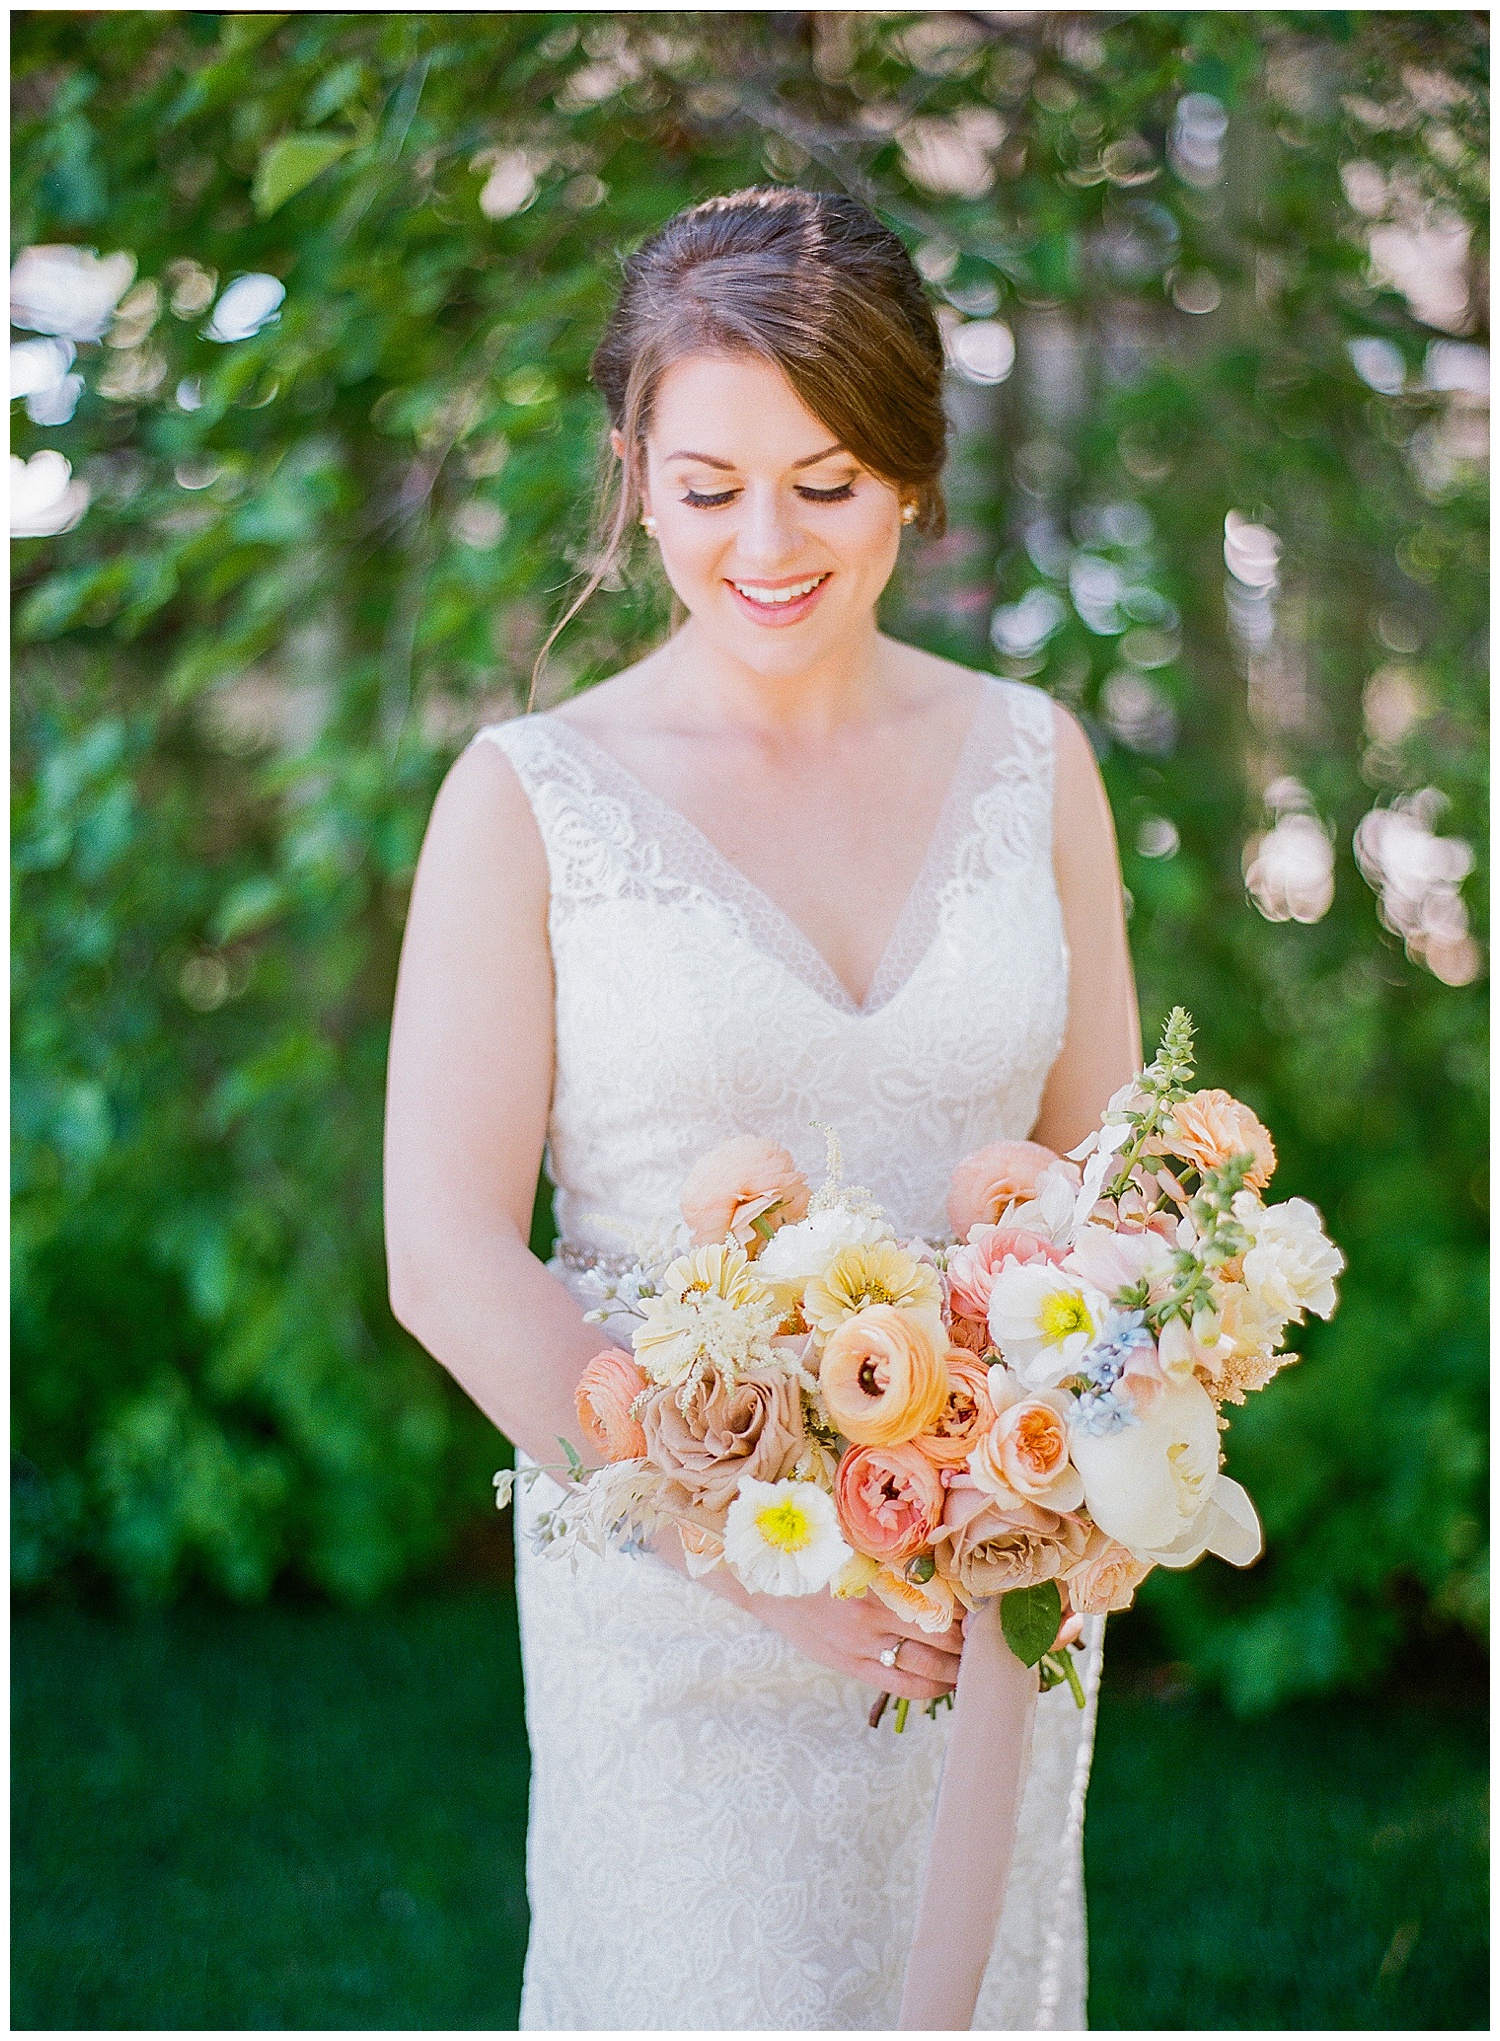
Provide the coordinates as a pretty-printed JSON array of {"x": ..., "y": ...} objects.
[{"x": 698, "y": 500}]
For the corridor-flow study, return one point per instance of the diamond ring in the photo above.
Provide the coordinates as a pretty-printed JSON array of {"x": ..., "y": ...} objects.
[{"x": 888, "y": 1656}]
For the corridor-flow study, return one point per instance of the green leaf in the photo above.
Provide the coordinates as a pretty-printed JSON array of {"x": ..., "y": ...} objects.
[
  {"x": 290, "y": 164},
  {"x": 1030, "y": 1618}
]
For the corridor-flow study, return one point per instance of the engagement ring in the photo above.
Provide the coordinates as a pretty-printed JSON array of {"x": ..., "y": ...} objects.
[{"x": 888, "y": 1656}]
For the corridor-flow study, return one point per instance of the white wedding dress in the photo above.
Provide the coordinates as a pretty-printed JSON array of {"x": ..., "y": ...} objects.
[{"x": 717, "y": 1838}]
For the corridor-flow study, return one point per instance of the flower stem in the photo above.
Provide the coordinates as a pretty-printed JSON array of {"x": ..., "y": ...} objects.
[{"x": 901, "y": 1708}]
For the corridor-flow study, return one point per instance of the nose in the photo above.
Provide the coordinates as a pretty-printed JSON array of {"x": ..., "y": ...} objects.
[{"x": 769, "y": 536}]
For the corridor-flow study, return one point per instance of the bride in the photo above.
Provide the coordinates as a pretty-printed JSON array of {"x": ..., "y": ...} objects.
[{"x": 783, "y": 870}]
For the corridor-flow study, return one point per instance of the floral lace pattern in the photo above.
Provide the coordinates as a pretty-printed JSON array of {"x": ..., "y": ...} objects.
[{"x": 717, "y": 1840}]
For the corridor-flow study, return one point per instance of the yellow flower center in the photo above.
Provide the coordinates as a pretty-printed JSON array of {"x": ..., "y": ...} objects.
[
  {"x": 786, "y": 1525},
  {"x": 1062, "y": 1314}
]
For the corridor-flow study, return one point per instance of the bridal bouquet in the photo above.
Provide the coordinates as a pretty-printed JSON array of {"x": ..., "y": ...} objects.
[{"x": 1031, "y": 1411}]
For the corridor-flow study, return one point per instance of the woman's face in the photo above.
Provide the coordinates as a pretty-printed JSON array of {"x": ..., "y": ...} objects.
[{"x": 776, "y": 539}]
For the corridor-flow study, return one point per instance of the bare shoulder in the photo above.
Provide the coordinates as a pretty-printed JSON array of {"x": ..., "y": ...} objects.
[
  {"x": 1083, "y": 829},
  {"x": 482, "y": 834}
]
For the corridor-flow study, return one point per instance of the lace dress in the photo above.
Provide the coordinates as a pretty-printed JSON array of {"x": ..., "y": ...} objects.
[{"x": 717, "y": 1839}]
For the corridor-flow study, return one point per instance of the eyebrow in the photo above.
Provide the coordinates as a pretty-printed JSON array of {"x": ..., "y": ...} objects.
[{"x": 727, "y": 467}]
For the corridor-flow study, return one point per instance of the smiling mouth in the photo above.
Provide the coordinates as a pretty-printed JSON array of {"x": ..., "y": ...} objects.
[{"x": 778, "y": 598}]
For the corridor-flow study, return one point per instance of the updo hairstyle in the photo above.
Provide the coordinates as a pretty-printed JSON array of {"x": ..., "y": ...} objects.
[{"x": 808, "y": 280}]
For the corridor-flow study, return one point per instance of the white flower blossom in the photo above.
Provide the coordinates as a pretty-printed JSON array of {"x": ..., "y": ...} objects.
[
  {"x": 1291, "y": 1265},
  {"x": 795, "y": 1254},
  {"x": 783, "y": 1537},
  {"x": 1043, "y": 1319}
]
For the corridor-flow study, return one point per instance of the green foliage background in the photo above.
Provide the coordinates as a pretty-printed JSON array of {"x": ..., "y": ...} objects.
[{"x": 240, "y": 677}]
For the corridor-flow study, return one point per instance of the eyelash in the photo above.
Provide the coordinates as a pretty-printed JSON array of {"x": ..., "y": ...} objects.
[{"x": 840, "y": 495}]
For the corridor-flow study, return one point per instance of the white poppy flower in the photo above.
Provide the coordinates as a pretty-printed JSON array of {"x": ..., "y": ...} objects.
[
  {"x": 1043, "y": 1319},
  {"x": 783, "y": 1537}
]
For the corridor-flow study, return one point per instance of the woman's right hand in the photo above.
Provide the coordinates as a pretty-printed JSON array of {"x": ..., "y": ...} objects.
[{"x": 850, "y": 1634}]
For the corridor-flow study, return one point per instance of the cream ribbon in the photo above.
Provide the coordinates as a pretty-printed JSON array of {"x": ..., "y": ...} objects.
[{"x": 973, "y": 1830}]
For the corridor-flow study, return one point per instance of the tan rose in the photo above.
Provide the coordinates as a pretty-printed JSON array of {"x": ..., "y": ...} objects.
[
  {"x": 606, "y": 1389},
  {"x": 985, "y": 1550},
  {"x": 966, "y": 1414},
  {"x": 992, "y": 1178},
  {"x": 1209, "y": 1127},
  {"x": 706, "y": 1440},
  {"x": 747, "y": 1187},
  {"x": 884, "y": 1378},
  {"x": 1105, "y": 1577}
]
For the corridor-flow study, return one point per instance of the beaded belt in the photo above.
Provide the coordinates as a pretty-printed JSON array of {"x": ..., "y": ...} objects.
[{"x": 585, "y": 1259}]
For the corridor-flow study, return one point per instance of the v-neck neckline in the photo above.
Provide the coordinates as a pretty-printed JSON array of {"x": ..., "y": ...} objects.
[{"x": 732, "y": 883}]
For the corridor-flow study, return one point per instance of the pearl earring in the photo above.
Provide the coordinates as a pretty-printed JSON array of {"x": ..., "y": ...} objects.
[
  {"x": 648, "y": 525},
  {"x": 908, "y": 513}
]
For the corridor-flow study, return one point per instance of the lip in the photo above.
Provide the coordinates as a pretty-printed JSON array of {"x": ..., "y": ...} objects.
[{"x": 777, "y": 618}]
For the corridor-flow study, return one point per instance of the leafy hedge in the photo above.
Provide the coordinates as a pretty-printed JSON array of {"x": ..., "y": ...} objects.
[{"x": 316, "y": 557}]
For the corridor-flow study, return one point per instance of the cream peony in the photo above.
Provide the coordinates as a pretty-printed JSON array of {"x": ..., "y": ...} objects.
[
  {"x": 783, "y": 1538},
  {"x": 1291, "y": 1265},
  {"x": 1156, "y": 1487},
  {"x": 1043, "y": 1320}
]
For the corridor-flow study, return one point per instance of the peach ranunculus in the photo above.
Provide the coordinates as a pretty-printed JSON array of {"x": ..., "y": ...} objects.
[
  {"x": 965, "y": 1416},
  {"x": 1024, "y": 1455},
  {"x": 883, "y": 1377},
  {"x": 972, "y": 1268},
  {"x": 706, "y": 1437},
  {"x": 1105, "y": 1577},
  {"x": 985, "y": 1182},
  {"x": 986, "y": 1550},
  {"x": 746, "y": 1188},
  {"x": 606, "y": 1389},
  {"x": 889, "y": 1501},
  {"x": 930, "y": 1604},
  {"x": 1208, "y": 1127}
]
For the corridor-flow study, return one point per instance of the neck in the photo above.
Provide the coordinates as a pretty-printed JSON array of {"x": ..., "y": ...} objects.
[{"x": 849, "y": 684}]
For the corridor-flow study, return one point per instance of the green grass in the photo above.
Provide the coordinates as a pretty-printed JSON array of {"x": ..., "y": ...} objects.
[{"x": 295, "y": 1817}]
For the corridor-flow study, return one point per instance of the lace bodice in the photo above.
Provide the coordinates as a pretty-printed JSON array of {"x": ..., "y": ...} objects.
[{"x": 690, "y": 1008}]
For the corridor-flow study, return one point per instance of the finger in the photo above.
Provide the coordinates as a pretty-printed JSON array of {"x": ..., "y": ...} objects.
[
  {"x": 908, "y": 1686},
  {"x": 949, "y": 1642},
  {"x": 920, "y": 1661},
  {"x": 951, "y": 1639}
]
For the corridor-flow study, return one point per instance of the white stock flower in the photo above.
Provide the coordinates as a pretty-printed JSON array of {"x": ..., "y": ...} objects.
[
  {"x": 783, "y": 1537},
  {"x": 795, "y": 1254},
  {"x": 1291, "y": 1265},
  {"x": 1043, "y": 1319},
  {"x": 1150, "y": 1484}
]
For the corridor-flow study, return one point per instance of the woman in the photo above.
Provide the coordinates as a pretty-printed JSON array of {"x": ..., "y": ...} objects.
[{"x": 784, "y": 869}]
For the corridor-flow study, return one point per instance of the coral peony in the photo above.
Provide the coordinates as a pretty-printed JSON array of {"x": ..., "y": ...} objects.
[
  {"x": 889, "y": 1501},
  {"x": 1209, "y": 1127},
  {"x": 966, "y": 1414},
  {"x": 985, "y": 1182},
  {"x": 883, "y": 1377},
  {"x": 972, "y": 1268},
  {"x": 746, "y": 1188},
  {"x": 606, "y": 1389}
]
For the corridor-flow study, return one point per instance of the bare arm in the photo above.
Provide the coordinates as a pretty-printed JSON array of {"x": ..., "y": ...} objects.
[
  {"x": 469, "y": 1086},
  {"x": 1102, "y": 1046}
]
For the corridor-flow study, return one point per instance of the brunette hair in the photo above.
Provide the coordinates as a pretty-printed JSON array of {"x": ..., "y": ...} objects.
[{"x": 808, "y": 280}]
